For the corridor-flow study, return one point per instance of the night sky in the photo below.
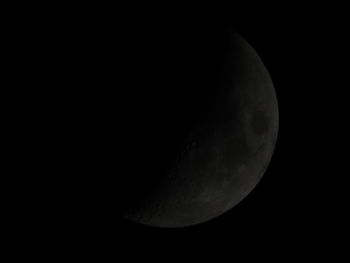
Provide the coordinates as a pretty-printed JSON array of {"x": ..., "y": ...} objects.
[{"x": 108, "y": 73}]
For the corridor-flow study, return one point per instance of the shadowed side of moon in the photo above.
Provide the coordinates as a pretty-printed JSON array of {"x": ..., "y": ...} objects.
[{"x": 227, "y": 150}]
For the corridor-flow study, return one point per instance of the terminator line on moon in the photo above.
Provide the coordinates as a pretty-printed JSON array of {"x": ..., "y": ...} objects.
[{"x": 226, "y": 153}]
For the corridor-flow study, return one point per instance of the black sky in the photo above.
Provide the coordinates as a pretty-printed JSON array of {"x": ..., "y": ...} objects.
[{"x": 102, "y": 134}]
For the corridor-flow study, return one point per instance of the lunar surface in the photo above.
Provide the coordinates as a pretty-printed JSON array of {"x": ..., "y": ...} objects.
[{"x": 226, "y": 151}]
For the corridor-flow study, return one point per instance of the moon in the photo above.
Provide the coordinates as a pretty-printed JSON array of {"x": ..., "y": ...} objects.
[{"x": 225, "y": 153}]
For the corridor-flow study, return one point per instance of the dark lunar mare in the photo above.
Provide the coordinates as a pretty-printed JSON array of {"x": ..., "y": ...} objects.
[{"x": 225, "y": 147}]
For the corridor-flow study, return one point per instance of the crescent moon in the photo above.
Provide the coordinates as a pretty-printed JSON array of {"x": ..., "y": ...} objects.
[{"x": 226, "y": 152}]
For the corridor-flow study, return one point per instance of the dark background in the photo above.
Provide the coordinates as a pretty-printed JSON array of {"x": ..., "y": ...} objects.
[{"x": 112, "y": 89}]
